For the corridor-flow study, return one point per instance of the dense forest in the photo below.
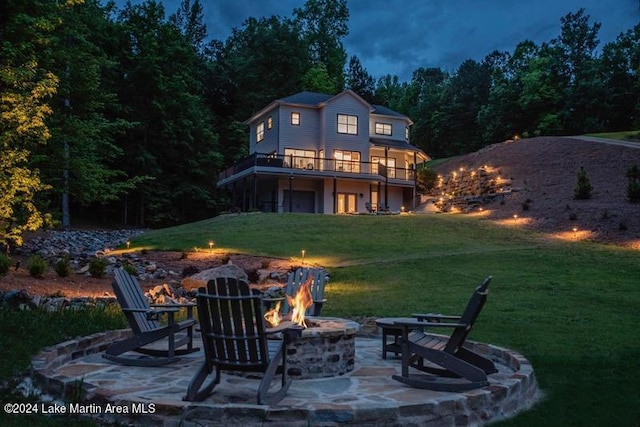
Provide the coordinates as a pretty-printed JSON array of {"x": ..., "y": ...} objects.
[{"x": 126, "y": 115}]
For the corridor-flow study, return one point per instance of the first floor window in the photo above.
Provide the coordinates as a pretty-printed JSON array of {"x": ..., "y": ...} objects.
[
  {"x": 347, "y": 124},
  {"x": 300, "y": 159},
  {"x": 260, "y": 132},
  {"x": 347, "y": 161},
  {"x": 295, "y": 119},
  {"x": 390, "y": 163}
]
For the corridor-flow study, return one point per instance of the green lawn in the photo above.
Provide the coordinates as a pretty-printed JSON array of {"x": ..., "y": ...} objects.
[
  {"x": 627, "y": 135},
  {"x": 572, "y": 308}
]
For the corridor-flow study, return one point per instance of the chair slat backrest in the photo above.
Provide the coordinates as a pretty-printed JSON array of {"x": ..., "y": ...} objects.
[
  {"x": 232, "y": 325},
  {"x": 469, "y": 316},
  {"x": 298, "y": 277},
  {"x": 130, "y": 296}
]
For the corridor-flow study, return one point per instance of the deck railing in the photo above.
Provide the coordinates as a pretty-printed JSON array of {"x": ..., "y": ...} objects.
[{"x": 315, "y": 164}]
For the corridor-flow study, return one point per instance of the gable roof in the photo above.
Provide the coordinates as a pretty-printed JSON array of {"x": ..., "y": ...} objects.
[{"x": 316, "y": 100}]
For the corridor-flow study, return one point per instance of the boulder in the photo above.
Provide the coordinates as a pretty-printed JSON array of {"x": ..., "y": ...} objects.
[{"x": 203, "y": 277}]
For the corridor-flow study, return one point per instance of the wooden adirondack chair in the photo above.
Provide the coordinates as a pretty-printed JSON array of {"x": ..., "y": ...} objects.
[
  {"x": 234, "y": 338},
  {"x": 147, "y": 329},
  {"x": 319, "y": 279},
  {"x": 456, "y": 368}
]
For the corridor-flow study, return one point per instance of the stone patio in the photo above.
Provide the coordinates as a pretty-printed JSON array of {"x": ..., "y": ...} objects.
[{"x": 366, "y": 396}]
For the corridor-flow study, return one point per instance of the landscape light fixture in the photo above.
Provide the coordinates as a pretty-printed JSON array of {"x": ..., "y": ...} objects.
[
  {"x": 302, "y": 253},
  {"x": 210, "y": 245}
]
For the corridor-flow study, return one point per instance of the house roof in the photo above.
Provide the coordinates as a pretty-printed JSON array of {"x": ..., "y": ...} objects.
[
  {"x": 306, "y": 98},
  {"x": 316, "y": 100},
  {"x": 394, "y": 143}
]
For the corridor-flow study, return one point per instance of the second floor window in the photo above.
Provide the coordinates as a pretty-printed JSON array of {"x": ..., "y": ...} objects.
[
  {"x": 383, "y": 128},
  {"x": 347, "y": 124},
  {"x": 295, "y": 119},
  {"x": 269, "y": 122},
  {"x": 260, "y": 132}
]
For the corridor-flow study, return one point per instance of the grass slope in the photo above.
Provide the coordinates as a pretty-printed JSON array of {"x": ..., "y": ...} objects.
[{"x": 572, "y": 308}]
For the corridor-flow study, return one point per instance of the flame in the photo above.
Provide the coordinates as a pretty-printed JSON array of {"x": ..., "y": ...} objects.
[
  {"x": 273, "y": 316},
  {"x": 300, "y": 302}
]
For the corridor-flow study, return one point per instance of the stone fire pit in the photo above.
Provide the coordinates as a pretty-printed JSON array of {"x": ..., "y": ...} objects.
[{"x": 325, "y": 349}]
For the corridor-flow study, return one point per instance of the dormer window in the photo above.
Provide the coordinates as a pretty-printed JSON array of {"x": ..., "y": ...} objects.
[
  {"x": 383, "y": 128},
  {"x": 260, "y": 132},
  {"x": 295, "y": 119},
  {"x": 347, "y": 124}
]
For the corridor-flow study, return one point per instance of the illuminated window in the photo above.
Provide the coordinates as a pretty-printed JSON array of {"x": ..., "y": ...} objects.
[
  {"x": 390, "y": 163},
  {"x": 347, "y": 161},
  {"x": 269, "y": 122},
  {"x": 383, "y": 128},
  {"x": 406, "y": 133},
  {"x": 295, "y": 119},
  {"x": 300, "y": 159},
  {"x": 260, "y": 132},
  {"x": 347, "y": 124}
]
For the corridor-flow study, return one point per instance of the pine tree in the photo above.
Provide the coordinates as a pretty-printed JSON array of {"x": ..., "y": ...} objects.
[{"x": 583, "y": 187}]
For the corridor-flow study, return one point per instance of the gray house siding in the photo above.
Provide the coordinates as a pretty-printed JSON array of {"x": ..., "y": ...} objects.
[
  {"x": 304, "y": 136},
  {"x": 349, "y": 105},
  {"x": 270, "y": 142},
  {"x": 398, "y": 127}
]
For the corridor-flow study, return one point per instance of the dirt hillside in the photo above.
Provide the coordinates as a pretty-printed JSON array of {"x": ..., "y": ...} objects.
[{"x": 544, "y": 174}]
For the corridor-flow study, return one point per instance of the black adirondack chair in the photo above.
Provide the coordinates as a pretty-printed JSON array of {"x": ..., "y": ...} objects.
[
  {"x": 234, "y": 338},
  {"x": 147, "y": 329},
  {"x": 449, "y": 365},
  {"x": 319, "y": 279}
]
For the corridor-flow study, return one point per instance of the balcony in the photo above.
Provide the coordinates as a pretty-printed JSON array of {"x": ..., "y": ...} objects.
[{"x": 318, "y": 166}]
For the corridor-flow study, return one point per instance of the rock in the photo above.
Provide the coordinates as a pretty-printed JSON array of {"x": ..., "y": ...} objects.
[{"x": 203, "y": 277}]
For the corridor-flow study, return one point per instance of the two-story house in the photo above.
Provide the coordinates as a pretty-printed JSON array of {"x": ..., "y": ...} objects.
[{"x": 319, "y": 153}]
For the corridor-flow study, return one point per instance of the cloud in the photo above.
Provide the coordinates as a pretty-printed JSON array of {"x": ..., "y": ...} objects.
[{"x": 399, "y": 36}]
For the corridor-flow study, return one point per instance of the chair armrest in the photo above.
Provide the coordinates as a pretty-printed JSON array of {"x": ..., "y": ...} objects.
[
  {"x": 421, "y": 324},
  {"x": 434, "y": 316},
  {"x": 184, "y": 305},
  {"x": 154, "y": 310}
]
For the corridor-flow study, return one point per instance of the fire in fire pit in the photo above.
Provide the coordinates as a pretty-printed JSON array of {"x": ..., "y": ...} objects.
[
  {"x": 299, "y": 304},
  {"x": 326, "y": 347}
]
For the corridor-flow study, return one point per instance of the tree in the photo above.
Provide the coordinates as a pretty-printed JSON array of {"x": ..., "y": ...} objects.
[
  {"x": 583, "y": 186},
  {"x": 173, "y": 141},
  {"x": 78, "y": 160},
  {"x": 323, "y": 24},
  {"x": 578, "y": 66},
  {"x": 359, "y": 80},
  {"x": 263, "y": 60},
  {"x": 189, "y": 20},
  {"x": 317, "y": 79},
  {"x": 25, "y": 88}
]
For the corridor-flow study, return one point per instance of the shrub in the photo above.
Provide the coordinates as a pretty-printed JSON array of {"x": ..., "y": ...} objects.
[
  {"x": 97, "y": 266},
  {"x": 5, "y": 263},
  {"x": 426, "y": 181},
  {"x": 130, "y": 268},
  {"x": 583, "y": 187},
  {"x": 633, "y": 189},
  {"x": 36, "y": 266},
  {"x": 62, "y": 266}
]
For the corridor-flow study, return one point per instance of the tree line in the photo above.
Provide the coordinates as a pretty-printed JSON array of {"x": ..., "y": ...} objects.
[{"x": 126, "y": 115}]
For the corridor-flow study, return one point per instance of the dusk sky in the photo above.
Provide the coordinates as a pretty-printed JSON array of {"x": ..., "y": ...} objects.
[{"x": 398, "y": 36}]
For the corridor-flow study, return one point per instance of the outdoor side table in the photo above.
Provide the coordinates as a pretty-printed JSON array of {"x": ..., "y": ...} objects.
[{"x": 391, "y": 330}]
